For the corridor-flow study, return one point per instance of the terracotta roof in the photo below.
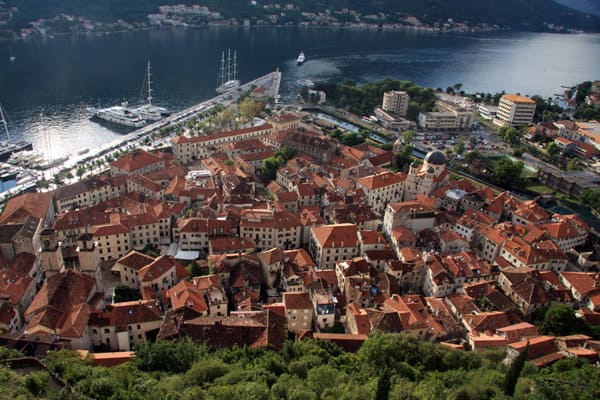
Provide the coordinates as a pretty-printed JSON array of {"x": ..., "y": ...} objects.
[
  {"x": 186, "y": 294},
  {"x": 57, "y": 301},
  {"x": 336, "y": 236},
  {"x": 518, "y": 98},
  {"x": 108, "y": 230},
  {"x": 220, "y": 135},
  {"x": 231, "y": 244},
  {"x": 253, "y": 329},
  {"x": 136, "y": 160},
  {"x": 7, "y": 313},
  {"x": 270, "y": 257},
  {"x": 383, "y": 179},
  {"x": 135, "y": 260},
  {"x": 159, "y": 267},
  {"x": 516, "y": 332},
  {"x": 297, "y": 301},
  {"x": 484, "y": 341},
  {"x": 583, "y": 282},
  {"x": 486, "y": 322},
  {"x": 363, "y": 324},
  {"x": 371, "y": 237},
  {"x": 539, "y": 346},
  {"x": 20, "y": 207}
]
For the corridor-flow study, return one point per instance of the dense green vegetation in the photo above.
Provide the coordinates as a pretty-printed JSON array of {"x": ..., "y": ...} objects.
[
  {"x": 361, "y": 100},
  {"x": 272, "y": 164},
  {"x": 526, "y": 15},
  {"x": 583, "y": 111},
  {"x": 386, "y": 367},
  {"x": 592, "y": 199}
]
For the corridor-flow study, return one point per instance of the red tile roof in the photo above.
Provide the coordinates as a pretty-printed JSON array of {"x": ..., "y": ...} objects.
[
  {"x": 297, "y": 301},
  {"x": 20, "y": 207},
  {"x": 136, "y": 160},
  {"x": 186, "y": 294},
  {"x": 336, "y": 236}
]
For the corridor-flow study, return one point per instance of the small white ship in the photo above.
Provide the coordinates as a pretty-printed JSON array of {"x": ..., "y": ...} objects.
[
  {"x": 227, "y": 75},
  {"x": 301, "y": 58}
]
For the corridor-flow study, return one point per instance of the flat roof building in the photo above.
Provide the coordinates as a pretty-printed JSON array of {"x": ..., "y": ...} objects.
[{"x": 514, "y": 110}]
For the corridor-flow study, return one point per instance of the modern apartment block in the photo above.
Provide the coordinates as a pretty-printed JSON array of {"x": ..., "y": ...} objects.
[
  {"x": 514, "y": 110},
  {"x": 396, "y": 101}
]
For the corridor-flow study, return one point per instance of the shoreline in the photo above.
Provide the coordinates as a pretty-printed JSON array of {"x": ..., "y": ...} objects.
[{"x": 360, "y": 27}]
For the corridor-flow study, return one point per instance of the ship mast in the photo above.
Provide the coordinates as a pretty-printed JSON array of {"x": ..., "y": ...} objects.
[
  {"x": 4, "y": 123},
  {"x": 228, "y": 65},
  {"x": 234, "y": 65},
  {"x": 149, "y": 85},
  {"x": 222, "y": 67}
]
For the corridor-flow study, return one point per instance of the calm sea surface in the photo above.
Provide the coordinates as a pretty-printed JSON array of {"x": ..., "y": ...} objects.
[{"x": 47, "y": 90}]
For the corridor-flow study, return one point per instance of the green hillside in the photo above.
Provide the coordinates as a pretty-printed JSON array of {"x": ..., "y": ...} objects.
[
  {"x": 517, "y": 14},
  {"x": 390, "y": 367}
]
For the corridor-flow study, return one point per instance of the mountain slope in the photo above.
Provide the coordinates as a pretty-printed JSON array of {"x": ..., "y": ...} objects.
[
  {"x": 516, "y": 14},
  {"x": 587, "y": 6}
]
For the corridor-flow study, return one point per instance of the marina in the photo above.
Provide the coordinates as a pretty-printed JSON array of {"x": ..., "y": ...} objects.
[{"x": 30, "y": 174}]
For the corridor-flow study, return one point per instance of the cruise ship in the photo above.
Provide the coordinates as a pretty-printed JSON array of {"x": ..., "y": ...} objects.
[
  {"x": 301, "y": 58},
  {"x": 121, "y": 115},
  {"x": 227, "y": 77}
]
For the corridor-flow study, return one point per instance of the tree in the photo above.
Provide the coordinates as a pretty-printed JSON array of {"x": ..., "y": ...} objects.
[
  {"x": 383, "y": 385},
  {"x": 552, "y": 149},
  {"x": 80, "y": 171},
  {"x": 404, "y": 157},
  {"x": 457, "y": 86},
  {"x": 459, "y": 148},
  {"x": 514, "y": 371},
  {"x": 511, "y": 135},
  {"x": 408, "y": 136},
  {"x": 174, "y": 357},
  {"x": 560, "y": 320},
  {"x": 472, "y": 156},
  {"x": 194, "y": 269},
  {"x": 123, "y": 293},
  {"x": 507, "y": 173},
  {"x": 572, "y": 164}
]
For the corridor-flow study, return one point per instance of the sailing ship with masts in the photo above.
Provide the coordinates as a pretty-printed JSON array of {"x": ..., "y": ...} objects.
[{"x": 228, "y": 73}]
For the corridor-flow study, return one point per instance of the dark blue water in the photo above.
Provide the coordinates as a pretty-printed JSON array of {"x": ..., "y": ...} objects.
[{"x": 47, "y": 90}]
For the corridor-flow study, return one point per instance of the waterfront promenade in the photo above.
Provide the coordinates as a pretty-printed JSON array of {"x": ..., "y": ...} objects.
[{"x": 270, "y": 82}]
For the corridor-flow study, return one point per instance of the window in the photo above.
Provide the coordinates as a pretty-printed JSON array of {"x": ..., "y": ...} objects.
[{"x": 106, "y": 330}]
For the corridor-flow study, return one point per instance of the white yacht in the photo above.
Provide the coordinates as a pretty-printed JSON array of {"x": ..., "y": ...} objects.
[
  {"x": 227, "y": 75},
  {"x": 301, "y": 58},
  {"x": 148, "y": 111},
  {"x": 121, "y": 115}
]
